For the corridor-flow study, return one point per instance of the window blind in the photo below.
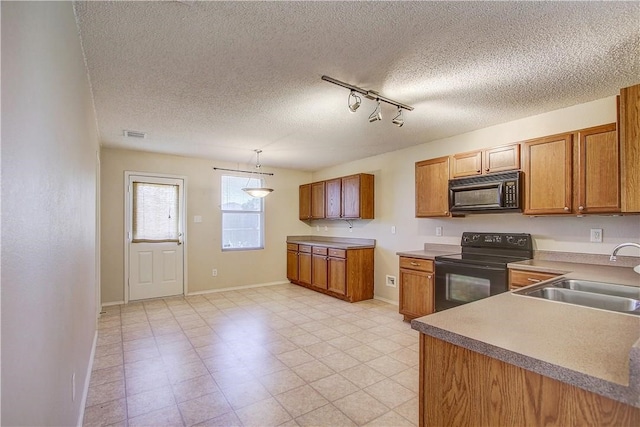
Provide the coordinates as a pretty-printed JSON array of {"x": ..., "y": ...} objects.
[{"x": 155, "y": 213}]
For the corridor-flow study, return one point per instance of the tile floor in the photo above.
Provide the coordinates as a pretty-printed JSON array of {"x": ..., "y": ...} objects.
[{"x": 271, "y": 356}]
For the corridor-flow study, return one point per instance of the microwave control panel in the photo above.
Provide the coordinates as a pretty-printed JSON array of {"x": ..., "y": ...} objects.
[{"x": 511, "y": 194}]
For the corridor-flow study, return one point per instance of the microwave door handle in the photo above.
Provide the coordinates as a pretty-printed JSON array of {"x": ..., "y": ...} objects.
[
  {"x": 476, "y": 186},
  {"x": 501, "y": 194}
]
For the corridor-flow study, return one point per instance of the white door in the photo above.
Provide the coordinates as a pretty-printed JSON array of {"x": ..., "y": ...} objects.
[{"x": 156, "y": 224}]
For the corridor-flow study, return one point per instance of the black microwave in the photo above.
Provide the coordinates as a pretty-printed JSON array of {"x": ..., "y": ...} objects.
[{"x": 497, "y": 192}]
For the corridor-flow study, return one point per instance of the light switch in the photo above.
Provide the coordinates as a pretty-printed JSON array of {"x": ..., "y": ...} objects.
[{"x": 197, "y": 218}]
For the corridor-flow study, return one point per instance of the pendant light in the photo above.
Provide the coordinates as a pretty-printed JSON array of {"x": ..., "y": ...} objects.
[{"x": 258, "y": 192}]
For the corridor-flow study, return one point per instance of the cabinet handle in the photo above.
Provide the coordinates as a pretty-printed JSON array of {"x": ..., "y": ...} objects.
[
  {"x": 566, "y": 208},
  {"x": 533, "y": 280},
  {"x": 415, "y": 263},
  {"x": 580, "y": 208}
]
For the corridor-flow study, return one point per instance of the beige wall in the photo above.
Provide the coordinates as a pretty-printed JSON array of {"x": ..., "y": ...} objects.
[
  {"x": 203, "y": 243},
  {"x": 49, "y": 146},
  {"x": 395, "y": 195}
]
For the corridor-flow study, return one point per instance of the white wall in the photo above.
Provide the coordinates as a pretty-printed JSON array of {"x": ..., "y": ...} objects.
[
  {"x": 49, "y": 145},
  {"x": 203, "y": 240},
  {"x": 395, "y": 195}
]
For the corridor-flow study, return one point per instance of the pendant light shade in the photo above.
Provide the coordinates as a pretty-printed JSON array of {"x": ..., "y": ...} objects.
[{"x": 258, "y": 192}]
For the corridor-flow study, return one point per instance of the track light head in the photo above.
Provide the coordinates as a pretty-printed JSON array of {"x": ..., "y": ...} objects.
[
  {"x": 377, "y": 114},
  {"x": 356, "y": 102},
  {"x": 398, "y": 120}
]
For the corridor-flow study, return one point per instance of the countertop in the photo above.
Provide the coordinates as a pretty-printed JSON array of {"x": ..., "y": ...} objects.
[
  {"x": 431, "y": 251},
  {"x": 333, "y": 242},
  {"x": 593, "y": 349}
]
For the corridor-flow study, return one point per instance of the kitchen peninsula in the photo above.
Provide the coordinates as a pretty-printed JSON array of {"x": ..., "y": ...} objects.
[{"x": 517, "y": 360}]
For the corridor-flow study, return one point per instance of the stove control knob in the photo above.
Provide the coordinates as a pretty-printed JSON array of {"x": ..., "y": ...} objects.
[
  {"x": 476, "y": 237},
  {"x": 510, "y": 239},
  {"x": 522, "y": 242}
]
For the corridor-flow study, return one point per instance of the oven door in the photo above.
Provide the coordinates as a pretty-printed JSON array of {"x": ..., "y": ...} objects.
[{"x": 458, "y": 283}]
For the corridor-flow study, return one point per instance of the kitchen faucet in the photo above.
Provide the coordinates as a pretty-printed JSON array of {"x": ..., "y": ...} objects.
[{"x": 623, "y": 245}]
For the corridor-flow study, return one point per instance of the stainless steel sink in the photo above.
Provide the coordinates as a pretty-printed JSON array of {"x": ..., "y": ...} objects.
[{"x": 606, "y": 296}]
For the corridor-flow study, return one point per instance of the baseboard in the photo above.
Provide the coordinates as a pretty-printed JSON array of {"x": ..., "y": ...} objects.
[
  {"x": 87, "y": 380},
  {"x": 388, "y": 301},
  {"x": 107, "y": 304},
  {"x": 235, "y": 288}
]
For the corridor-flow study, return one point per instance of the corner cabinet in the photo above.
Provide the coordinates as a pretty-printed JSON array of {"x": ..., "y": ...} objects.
[
  {"x": 416, "y": 287},
  {"x": 629, "y": 133},
  {"x": 348, "y": 197},
  {"x": 342, "y": 273},
  {"x": 432, "y": 188}
]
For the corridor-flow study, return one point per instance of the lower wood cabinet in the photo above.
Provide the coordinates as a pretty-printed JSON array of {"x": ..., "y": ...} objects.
[
  {"x": 416, "y": 287},
  {"x": 459, "y": 387},
  {"x": 343, "y": 273},
  {"x": 522, "y": 278}
]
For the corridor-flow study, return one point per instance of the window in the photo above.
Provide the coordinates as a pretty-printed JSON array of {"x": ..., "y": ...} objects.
[
  {"x": 155, "y": 212},
  {"x": 242, "y": 215}
]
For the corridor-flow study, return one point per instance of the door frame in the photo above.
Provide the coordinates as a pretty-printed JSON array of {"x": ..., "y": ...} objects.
[{"x": 127, "y": 225}]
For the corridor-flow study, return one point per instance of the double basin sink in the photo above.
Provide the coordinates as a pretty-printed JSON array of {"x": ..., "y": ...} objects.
[{"x": 605, "y": 296}]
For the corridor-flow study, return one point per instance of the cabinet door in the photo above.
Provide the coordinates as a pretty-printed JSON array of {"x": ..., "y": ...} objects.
[
  {"x": 499, "y": 159},
  {"x": 333, "y": 189},
  {"x": 304, "y": 268},
  {"x": 522, "y": 278},
  {"x": 337, "y": 280},
  {"x": 466, "y": 164},
  {"x": 598, "y": 170},
  {"x": 292, "y": 265},
  {"x": 432, "y": 187},
  {"x": 319, "y": 271},
  {"x": 629, "y": 119},
  {"x": 305, "y": 201},
  {"x": 317, "y": 200},
  {"x": 416, "y": 293},
  {"x": 548, "y": 175},
  {"x": 351, "y": 196}
]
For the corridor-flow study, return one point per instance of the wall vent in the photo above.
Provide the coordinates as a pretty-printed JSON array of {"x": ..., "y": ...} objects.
[{"x": 134, "y": 134}]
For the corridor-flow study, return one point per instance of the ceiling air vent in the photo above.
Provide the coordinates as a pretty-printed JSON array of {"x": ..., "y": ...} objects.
[{"x": 134, "y": 134}]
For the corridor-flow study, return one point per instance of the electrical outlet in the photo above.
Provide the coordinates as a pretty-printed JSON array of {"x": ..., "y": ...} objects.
[
  {"x": 438, "y": 231},
  {"x": 326, "y": 228},
  {"x": 391, "y": 281},
  {"x": 596, "y": 235},
  {"x": 317, "y": 228},
  {"x": 214, "y": 272},
  {"x": 393, "y": 229}
]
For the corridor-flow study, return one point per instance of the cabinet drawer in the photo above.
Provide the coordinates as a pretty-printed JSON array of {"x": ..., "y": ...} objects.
[
  {"x": 292, "y": 247},
  {"x": 319, "y": 250},
  {"x": 337, "y": 253},
  {"x": 304, "y": 248},
  {"x": 520, "y": 278},
  {"x": 416, "y": 264}
]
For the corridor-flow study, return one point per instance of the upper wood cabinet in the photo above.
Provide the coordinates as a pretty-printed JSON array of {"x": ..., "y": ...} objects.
[
  {"x": 304, "y": 198},
  {"x": 548, "y": 169},
  {"x": 317, "y": 200},
  {"x": 497, "y": 159},
  {"x": 573, "y": 173},
  {"x": 333, "y": 195},
  {"x": 598, "y": 170},
  {"x": 432, "y": 190},
  {"x": 348, "y": 197},
  {"x": 629, "y": 127},
  {"x": 357, "y": 197}
]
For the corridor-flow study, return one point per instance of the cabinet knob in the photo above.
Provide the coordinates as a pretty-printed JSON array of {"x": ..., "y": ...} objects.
[
  {"x": 446, "y": 212},
  {"x": 487, "y": 170},
  {"x": 478, "y": 171},
  {"x": 566, "y": 208},
  {"x": 429, "y": 277},
  {"x": 580, "y": 208}
]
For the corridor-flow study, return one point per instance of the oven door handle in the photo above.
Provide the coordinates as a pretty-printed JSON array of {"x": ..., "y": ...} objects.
[{"x": 475, "y": 266}]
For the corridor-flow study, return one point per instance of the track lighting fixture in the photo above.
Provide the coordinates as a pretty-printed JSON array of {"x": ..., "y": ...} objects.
[
  {"x": 398, "y": 120},
  {"x": 356, "y": 104},
  {"x": 377, "y": 114}
]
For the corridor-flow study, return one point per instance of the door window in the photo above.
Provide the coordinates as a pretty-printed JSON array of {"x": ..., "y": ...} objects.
[{"x": 155, "y": 213}]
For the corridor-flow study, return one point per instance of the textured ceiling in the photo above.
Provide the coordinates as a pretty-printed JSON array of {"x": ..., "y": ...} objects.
[{"x": 220, "y": 79}]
